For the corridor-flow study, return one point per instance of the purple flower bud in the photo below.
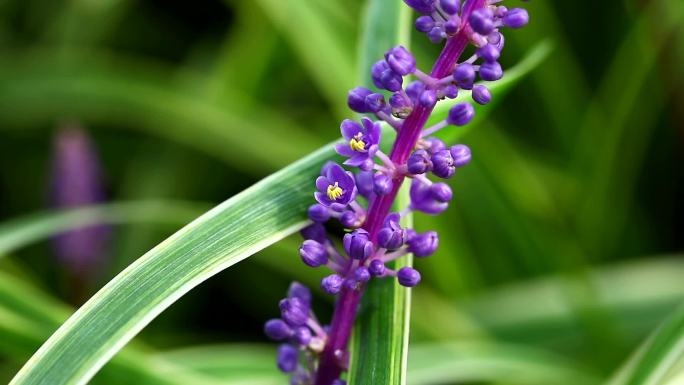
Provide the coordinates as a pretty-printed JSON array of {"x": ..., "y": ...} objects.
[
  {"x": 382, "y": 184},
  {"x": 443, "y": 164},
  {"x": 422, "y": 6},
  {"x": 428, "y": 98},
  {"x": 408, "y": 276},
  {"x": 294, "y": 311},
  {"x": 336, "y": 188},
  {"x": 313, "y": 253},
  {"x": 450, "y": 7},
  {"x": 288, "y": 357},
  {"x": 464, "y": 75},
  {"x": 276, "y": 329},
  {"x": 436, "y": 34},
  {"x": 424, "y": 23},
  {"x": 376, "y": 73},
  {"x": 318, "y": 213},
  {"x": 332, "y": 284},
  {"x": 350, "y": 220},
  {"x": 302, "y": 335},
  {"x": 297, "y": 290},
  {"x": 419, "y": 162},
  {"x": 491, "y": 71},
  {"x": 401, "y": 107},
  {"x": 488, "y": 52},
  {"x": 376, "y": 268},
  {"x": 461, "y": 154},
  {"x": 391, "y": 81},
  {"x": 500, "y": 11},
  {"x": 414, "y": 90},
  {"x": 356, "y": 99},
  {"x": 516, "y": 18},
  {"x": 375, "y": 102},
  {"x": 496, "y": 38},
  {"x": 364, "y": 183},
  {"x": 481, "y": 94},
  {"x": 441, "y": 192},
  {"x": 357, "y": 244},
  {"x": 451, "y": 26},
  {"x": 482, "y": 21},
  {"x": 461, "y": 114},
  {"x": 450, "y": 91},
  {"x": 391, "y": 236},
  {"x": 400, "y": 60},
  {"x": 434, "y": 145},
  {"x": 423, "y": 200},
  {"x": 351, "y": 283},
  {"x": 315, "y": 231},
  {"x": 339, "y": 382},
  {"x": 424, "y": 245},
  {"x": 362, "y": 274}
]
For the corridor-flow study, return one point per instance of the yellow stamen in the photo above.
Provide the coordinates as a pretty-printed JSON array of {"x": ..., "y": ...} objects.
[
  {"x": 356, "y": 143},
  {"x": 334, "y": 192}
]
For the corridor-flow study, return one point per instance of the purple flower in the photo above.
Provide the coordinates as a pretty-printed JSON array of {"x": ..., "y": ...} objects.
[
  {"x": 357, "y": 244},
  {"x": 391, "y": 236},
  {"x": 423, "y": 200},
  {"x": 362, "y": 141},
  {"x": 313, "y": 253},
  {"x": 336, "y": 188},
  {"x": 408, "y": 276},
  {"x": 461, "y": 114},
  {"x": 277, "y": 329},
  {"x": 422, "y": 6},
  {"x": 288, "y": 357},
  {"x": 400, "y": 60},
  {"x": 423, "y": 245}
]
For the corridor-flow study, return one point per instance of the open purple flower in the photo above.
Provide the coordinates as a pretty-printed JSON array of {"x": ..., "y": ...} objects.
[
  {"x": 362, "y": 142},
  {"x": 336, "y": 187}
]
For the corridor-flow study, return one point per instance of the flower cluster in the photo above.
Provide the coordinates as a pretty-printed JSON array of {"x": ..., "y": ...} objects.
[{"x": 360, "y": 199}]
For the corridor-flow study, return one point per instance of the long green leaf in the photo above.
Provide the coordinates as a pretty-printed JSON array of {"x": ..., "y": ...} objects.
[
  {"x": 23, "y": 231},
  {"x": 379, "y": 348},
  {"x": 654, "y": 361},
  {"x": 246, "y": 223}
]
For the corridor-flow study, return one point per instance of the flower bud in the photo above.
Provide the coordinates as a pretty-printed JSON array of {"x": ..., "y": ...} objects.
[
  {"x": 464, "y": 76},
  {"x": 400, "y": 61},
  {"x": 350, "y": 220},
  {"x": 408, "y": 276},
  {"x": 364, "y": 183},
  {"x": 362, "y": 274},
  {"x": 313, "y": 253},
  {"x": 376, "y": 268},
  {"x": 332, "y": 284},
  {"x": 451, "y": 26},
  {"x": 441, "y": 192},
  {"x": 491, "y": 71},
  {"x": 356, "y": 99},
  {"x": 297, "y": 290},
  {"x": 488, "y": 52},
  {"x": 419, "y": 162},
  {"x": 428, "y": 98},
  {"x": 450, "y": 7},
  {"x": 400, "y": 105},
  {"x": 391, "y": 81},
  {"x": 461, "y": 114},
  {"x": 461, "y": 154},
  {"x": 422, "y": 6},
  {"x": 391, "y": 236},
  {"x": 375, "y": 102},
  {"x": 357, "y": 244},
  {"x": 436, "y": 34},
  {"x": 481, "y": 94},
  {"x": 443, "y": 164},
  {"x": 424, "y": 23},
  {"x": 302, "y": 335},
  {"x": 288, "y": 357},
  {"x": 482, "y": 21},
  {"x": 414, "y": 90},
  {"x": 516, "y": 18},
  {"x": 318, "y": 213},
  {"x": 376, "y": 73},
  {"x": 276, "y": 329},
  {"x": 382, "y": 184},
  {"x": 294, "y": 311},
  {"x": 450, "y": 91},
  {"x": 315, "y": 231},
  {"x": 424, "y": 245},
  {"x": 434, "y": 145}
]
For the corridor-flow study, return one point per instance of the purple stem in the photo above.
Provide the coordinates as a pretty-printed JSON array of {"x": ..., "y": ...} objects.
[{"x": 334, "y": 356}]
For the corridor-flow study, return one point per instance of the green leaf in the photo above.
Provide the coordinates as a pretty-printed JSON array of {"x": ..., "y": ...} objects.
[
  {"x": 658, "y": 358},
  {"x": 379, "y": 347},
  {"x": 20, "y": 232}
]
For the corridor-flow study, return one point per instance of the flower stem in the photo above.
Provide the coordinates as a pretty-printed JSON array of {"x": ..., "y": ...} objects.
[{"x": 332, "y": 361}]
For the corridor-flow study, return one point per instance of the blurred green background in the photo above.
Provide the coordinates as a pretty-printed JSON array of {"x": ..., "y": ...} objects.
[{"x": 565, "y": 234}]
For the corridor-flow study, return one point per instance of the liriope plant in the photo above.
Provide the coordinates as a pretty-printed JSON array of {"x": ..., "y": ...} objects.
[{"x": 364, "y": 202}]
